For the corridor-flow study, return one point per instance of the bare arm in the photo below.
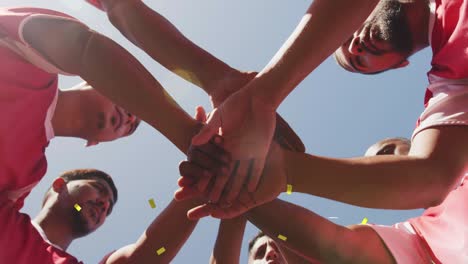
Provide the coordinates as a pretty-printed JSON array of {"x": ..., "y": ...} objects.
[
  {"x": 314, "y": 239},
  {"x": 324, "y": 27},
  {"x": 229, "y": 241},
  {"x": 166, "y": 44},
  {"x": 170, "y": 230},
  {"x": 112, "y": 71},
  {"x": 422, "y": 179},
  {"x": 434, "y": 167}
]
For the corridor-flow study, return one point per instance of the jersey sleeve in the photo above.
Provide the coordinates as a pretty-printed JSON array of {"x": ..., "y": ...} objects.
[{"x": 12, "y": 22}]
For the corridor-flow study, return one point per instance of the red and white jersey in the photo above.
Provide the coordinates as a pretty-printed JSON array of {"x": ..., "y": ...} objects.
[
  {"x": 448, "y": 38},
  {"x": 24, "y": 242},
  {"x": 444, "y": 228},
  {"x": 28, "y": 94}
]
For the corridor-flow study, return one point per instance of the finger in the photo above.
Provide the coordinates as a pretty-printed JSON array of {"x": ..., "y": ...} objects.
[
  {"x": 205, "y": 161},
  {"x": 194, "y": 171},
  {"x": 238, "y": 179},
  {"x": 209, "y": 130},
  {"x": 220, "y": 182},
  {"x": 203, "y": 183},
  {"x": 186, "y": 193},
  {"x": 198, "y": 212},
  {"x": 255, "y": 172},
  {"x": 236, "y": 209},
  {"x": 186, "y": 182},
  {"x": 212, "y": 150},
  {"x": 200, "y": 114}
]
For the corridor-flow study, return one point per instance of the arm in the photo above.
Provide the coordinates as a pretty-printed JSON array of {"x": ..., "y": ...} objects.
[
  {"x": 166, "y": 44},
  {"x": 247, "y": 117},
  {"x": 170, "y": 230},
  {"x": 432, "y": 169},
  {"x": 111, "y": 70},
  {"x": 229, "y": 241},
  {"x": 315, "y": 239},
  {"x": 326, "y": 25}
]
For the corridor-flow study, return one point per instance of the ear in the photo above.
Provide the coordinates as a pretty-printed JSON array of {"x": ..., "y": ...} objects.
[
  {"x": 91, "y": 143},
  {"x": 402, "y": 64},
  {"x": 58, "y": 185}
]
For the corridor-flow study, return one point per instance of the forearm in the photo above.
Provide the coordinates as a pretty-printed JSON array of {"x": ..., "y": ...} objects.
[
  {"x": 326, "y": 25},
  {"x": 112, "y": 71},
  {"x": 307, "y": 234},
  {"x": 115, "y": 73},
  {"x": 387, "y": 182},
  {"x": 229, "y": 241},
  {"x": 292, "y": 257},
  {"x": 170, "y": 230},
  {"x": 166, "y": 44}
]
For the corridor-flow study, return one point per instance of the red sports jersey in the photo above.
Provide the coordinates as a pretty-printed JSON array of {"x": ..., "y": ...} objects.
[
  {"x": 28, "y": 91},
  {"x": 28, "y": 94},
  {"x": 444, "y": 228},
  {"x": 22, "y": 243},
  {"x": 449, "y": 39}
]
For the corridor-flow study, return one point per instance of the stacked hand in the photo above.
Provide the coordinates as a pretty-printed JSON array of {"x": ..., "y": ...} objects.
[
  {"x": 199, "y": 182},
  {"x": 233, "y": 82},
  {"x": 272, "y": 183}
]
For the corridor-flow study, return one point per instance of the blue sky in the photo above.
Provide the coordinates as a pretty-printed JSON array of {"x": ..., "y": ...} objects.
[{"x": 336, "y": 113}]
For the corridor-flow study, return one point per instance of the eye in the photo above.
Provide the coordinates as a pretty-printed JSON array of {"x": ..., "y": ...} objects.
[{"x": 387, "y": 150}]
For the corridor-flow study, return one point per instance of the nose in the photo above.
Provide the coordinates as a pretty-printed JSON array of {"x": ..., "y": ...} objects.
[
  {"x": 271, "y": 253},
  {"x": 131, "y": 118},
  {"x": 354, "y": 46}
]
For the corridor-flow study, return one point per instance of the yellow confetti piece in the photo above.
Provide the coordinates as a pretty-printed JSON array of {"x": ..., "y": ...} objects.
[
  {"x": 282, "y": 237},
  {"x": 152, "y": 204},
  {"x": 78, "y": 207},
  {"x": 161, "y": 250},
  {"x": 289, "y": 189},
  {"x": 364, "y": 221}
]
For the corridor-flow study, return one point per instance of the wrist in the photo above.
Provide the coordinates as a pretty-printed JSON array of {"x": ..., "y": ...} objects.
[{"x": 261, "y": 94}]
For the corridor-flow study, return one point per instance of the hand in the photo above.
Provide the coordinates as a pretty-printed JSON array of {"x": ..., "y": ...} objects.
[
  {"x": 236, "y": 80},
  {"x": 209, "y": 159},
  {"x": 247, "y": 126},
  {"x": 272, "y": 183}
]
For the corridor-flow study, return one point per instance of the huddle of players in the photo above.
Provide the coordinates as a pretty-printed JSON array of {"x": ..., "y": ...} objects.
[{"x": 428, "y": 173}]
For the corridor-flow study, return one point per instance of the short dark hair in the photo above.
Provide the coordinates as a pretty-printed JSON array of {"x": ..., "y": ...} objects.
[
  {"x": 86, "y": 174},
  {"x": 253, "y": 240}
]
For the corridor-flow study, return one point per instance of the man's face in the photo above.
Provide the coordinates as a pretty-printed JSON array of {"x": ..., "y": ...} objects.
[
  {"x": 265, "y": 250},
  {"x": 104, "y": 120},
  {"x": 393, "y": 146},
  {"x": 383, "y": 42},
  {"x": 96, "y": 200}
]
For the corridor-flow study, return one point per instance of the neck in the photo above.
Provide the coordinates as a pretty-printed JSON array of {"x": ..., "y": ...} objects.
[
  {"x": 418, "y": 21},
  {"x": 55, "y": 229},
  {"x": 67, "y": 120}
]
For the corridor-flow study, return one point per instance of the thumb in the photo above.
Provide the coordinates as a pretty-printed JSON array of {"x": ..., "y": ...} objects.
[
  {"x": 200, "y": 114},
  {"x": 208, "y": 131}
]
